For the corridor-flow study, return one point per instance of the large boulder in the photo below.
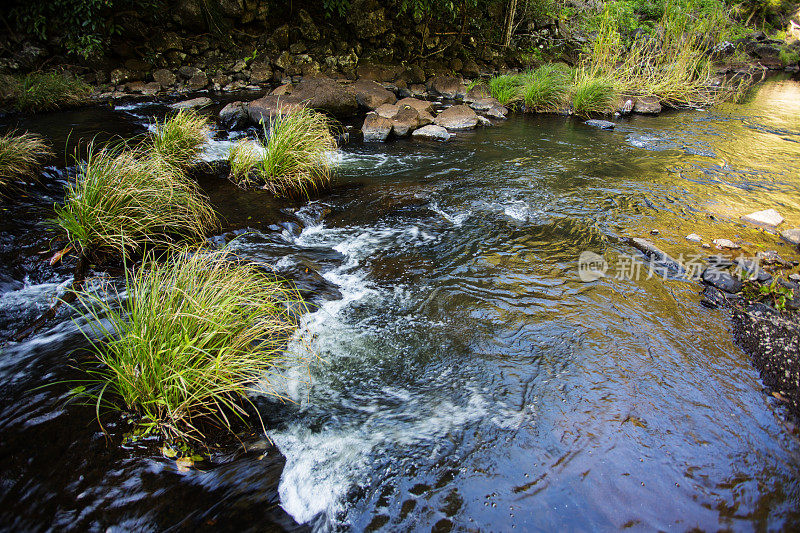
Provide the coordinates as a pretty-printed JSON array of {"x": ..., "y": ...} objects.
[
  {"x": 478, "y": 92},
  {"x": 647, "y": 105},
  {"x": 457, "y": 117},
  {"x": 405, "y": 121},
  {"x": 376, "y": 128},
  {"x": 233, "y": 116},
  {"x": 371, "y": 95},
  {"x": 367, "y": 19},
  {"x": 325, "y": 94},
  {"x": 164, "y": 77},
  {"x": 202, "y": 101},
  {"x": 416, "y": 103},
  {"x": 265, "y": 108},
  {"x": 432, "y": 131},
  {"x": 260, "y": 72},
  {"x": 447, "y": 86},
  {"x": 387, "y": 110}
]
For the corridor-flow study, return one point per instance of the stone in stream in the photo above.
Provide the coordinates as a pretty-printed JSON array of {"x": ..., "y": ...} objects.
[
  {"x": 371, "y": 95},
  {"x": 753, "y": 269},
  {"x": 498, "y": 112},
  {"x": 768, "y": 218},
  {"x": 447, "y": 86},
  {"x": 201, "y": 101},
  {"x": 416, "y": 103},
  {"x": 792, "y": 236},
  {"x": 233, "y": 116},
  {"x": 484, "y": 104},
  {"x": 387, "y": 110},
  {"x": 647, "y": 105},
  {"x": 602, "y": 124},
  {"x": 654, "y": 253},
  {"x": 432, "y": 131},
  {"x": 405, "y": 121},
  {"x": 265, "y": 108},
  {"x": 726, "y": 243},
  {"x": 457, "y": 117},
  {"x": 325, "y": 94},
  {"x": 722, "y": 280},
  {"x": 376, "y": 128},
  {"x": 694, "y": 237},
  {"x": 164, "y": 77},
  {"x": 483, "y": 121},
  {"x": 282, "y": 90}
]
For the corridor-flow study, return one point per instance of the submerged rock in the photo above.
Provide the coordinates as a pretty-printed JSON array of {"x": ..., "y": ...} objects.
[
  {"x": 457, "y": 117},
  {"x": 202, "y": 101},
  {"x": 726, "y": 243},
  {"x": 792, "y": 236},
  {"x": 432, "y": 131},
  {"x": 722, "y": 280},
  {"x": 233, "y": 116},
  {"x": 768, "y": 218},
  {"x": 602, "y": 124}
]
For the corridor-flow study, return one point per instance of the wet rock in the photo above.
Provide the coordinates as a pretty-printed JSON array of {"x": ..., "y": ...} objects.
[
  {"x": 694, "y": 237},
  {"x": 478, "y": 92},
  {"x": 202, "y": 101},
  {"x": 387, "y": 110},
  {"x": 484, "y": 122},
  {"x": 371, "y": 95},
  {"x": 721, "y": 280},
  {"x": 657, "y": 255},
  {"x": 416, "y": 103},
  {"x": 164, "y": 77},
  {"x": 267, "y": 107},
  {"x": 483, "y": 104},
  {"x": 768, "y": 218},
  {"x": 199, "y": 80},
  {"x": 753, "y": 269},
  {"x": 602, "y": 124},
  {"x": 726, "y": 243},
  {"x": 260, "y": 72},
  {"x": 233, "y": 116},
  {"x": 626, "y": 105},
  {"x": 425, "y": 118},
  {"x": 405, "y": 121},
  {"x": 647, "y": 105},
  {"x": 282, "y": 90},
  {"x": 447, "y": 86},
  {"x": 432, "y": 131},
  {"x": 713, "y": 298},
  {"x": 498, "y": 112},
  {"x": 323, "y": 93},
  {"x": 119, "y": 75},
  {"x": 792, "y": 236},
  {"x": 376, "y": 128},
  {"x": 457, "y": 117}
]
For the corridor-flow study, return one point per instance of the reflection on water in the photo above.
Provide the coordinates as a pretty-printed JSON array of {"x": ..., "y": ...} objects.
[{"x": 467, "y": 378}]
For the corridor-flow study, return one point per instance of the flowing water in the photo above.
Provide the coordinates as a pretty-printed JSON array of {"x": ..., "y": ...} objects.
[{"x": 466, "y": 377}]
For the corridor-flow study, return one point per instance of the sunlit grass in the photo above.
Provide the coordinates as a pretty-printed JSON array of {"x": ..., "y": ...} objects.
[
  {"x": 20, "y": 156},
  {"x": 593, "y": 95},
  {"x": 122, "y": 201},
  {"x": 505, "y": 88},
  {"x": 179, "y": 139},
  {"x": 193, "y": 336},
  {"x": 546, "y": 88},
  {"x": 294, "y": 159},
  {"x": 43, "y": 91}
]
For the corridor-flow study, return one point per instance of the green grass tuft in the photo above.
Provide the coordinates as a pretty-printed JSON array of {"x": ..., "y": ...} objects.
[
  {"x": 20, "y": 156},
  {"x": 179, "y": 139},
  {"x": 193, "y": 336},
  {"x": 593, "y": 95},
  {"x": 294, "y": 160},
  {"x": 505, "y": 88},
  {"x": 44, "y": 91},
  {"x": 546, "y": 88},
  {"x": 123, "y": 201}
]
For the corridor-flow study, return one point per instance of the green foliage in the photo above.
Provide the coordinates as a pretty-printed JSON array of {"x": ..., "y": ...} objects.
[
  {"x": 774, "y": 292},
  {"x": 293, "y": 162},
  {"x": 789, "y": 57},
  {"x": 179, "y": 139},
  {"x": 546, "y": 88},
  {"x": 44, "y": 91},
  {"x": 593, "y": 95},
  {"x": 122, "y": 201},
  {"x": 20, "y": 156},
  {"x": 193, "y": 336},
  {"x": 505, "y": 88}
]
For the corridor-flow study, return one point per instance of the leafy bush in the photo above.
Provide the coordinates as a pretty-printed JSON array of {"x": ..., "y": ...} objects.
[
  {"x": 121, "y": 201},
  {"x": 193, "y": 336},
  {"x": 294, "y": 160}
]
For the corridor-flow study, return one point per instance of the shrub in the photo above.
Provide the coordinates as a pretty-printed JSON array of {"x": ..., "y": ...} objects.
[
  {"x": 179, "y": 139},
  {"x": 789, "y": 57},
  {"x": 44, "y": 91},
  {"x": 546, "y": 88},
  {"x": 591, "y": 95},
  {"x": 20, "y": 156},
  {"x": 294, "y": 160},
  {"x": 192, "y": 337},
  {"x": 121, "y": 201}
]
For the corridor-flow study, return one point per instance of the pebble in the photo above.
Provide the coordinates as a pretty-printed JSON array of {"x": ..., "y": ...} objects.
[
  {"x": 654, "y": 232},
  {"x": 694, "y": 237},
  {"x": 726, "y": 243},
  {"x": 767, "y": 217},
  {"x": 602, "y": 124}
]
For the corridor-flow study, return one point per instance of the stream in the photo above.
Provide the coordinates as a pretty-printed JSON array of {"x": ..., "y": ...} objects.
[{"x": 465, "y": 376}]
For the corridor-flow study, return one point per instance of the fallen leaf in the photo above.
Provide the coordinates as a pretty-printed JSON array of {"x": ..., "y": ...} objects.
[
  {"x": 184, "y": 464},
  {"x": 56, "y": 259}
]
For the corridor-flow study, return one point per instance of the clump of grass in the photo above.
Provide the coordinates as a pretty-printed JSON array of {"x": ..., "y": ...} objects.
[
  {"x": 179, "y": 139},
  {"x": 122, "y": 201},
  {"x": 789, "y": 57},
  {"x": 546, "y": 88},
  {"x": 505, "y": 88},
  {"x": 193, "y": 336},
  {"x": 20, "y": 156},
  {"x": 593, "y": 95},
  {"x": 43, "y": 91},
  {"x": 293, "y": 161}
]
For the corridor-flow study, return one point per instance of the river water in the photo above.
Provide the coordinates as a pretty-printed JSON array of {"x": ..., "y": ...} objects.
[{"x": 466, "y": 377}]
